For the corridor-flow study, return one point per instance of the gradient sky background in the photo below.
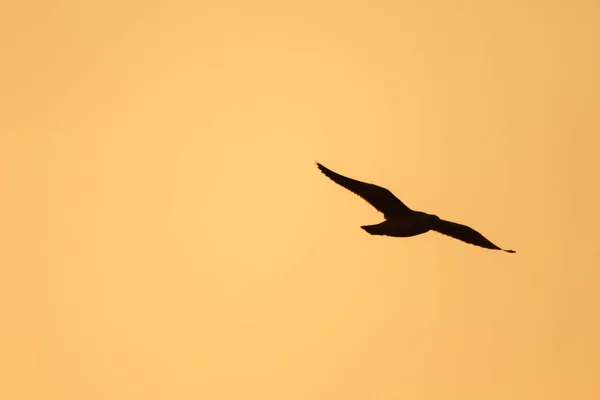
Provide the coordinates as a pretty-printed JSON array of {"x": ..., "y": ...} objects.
[{"x": 166, "y": 234}]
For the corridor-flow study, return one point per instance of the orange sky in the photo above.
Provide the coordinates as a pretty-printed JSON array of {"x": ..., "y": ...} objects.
[{"x": 167, "y": 234}]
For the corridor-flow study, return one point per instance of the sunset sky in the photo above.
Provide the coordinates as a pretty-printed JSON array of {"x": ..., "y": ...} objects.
[{"x": 167, "y": 235}]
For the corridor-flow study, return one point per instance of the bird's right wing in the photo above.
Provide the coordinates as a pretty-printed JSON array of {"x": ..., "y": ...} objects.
[
  {"x": 380, "y": 198},
  {"x": 466, "y": 234}
]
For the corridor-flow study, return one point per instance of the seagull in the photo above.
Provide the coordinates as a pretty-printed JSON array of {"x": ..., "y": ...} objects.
[{"x": 401, "y": 221}]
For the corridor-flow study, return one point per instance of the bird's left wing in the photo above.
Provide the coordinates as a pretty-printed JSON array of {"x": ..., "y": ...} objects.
[{"x": 380, "y": 198}]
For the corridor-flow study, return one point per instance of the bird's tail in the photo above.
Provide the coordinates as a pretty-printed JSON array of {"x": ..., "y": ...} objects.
[{"x": 372, "y": 229}]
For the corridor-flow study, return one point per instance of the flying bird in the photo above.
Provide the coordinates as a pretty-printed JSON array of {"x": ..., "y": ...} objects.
[{"x": 401, "y": 221}]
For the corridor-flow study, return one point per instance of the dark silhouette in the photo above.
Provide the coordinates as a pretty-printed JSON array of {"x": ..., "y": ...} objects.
[{"x": 401, "y": 221}]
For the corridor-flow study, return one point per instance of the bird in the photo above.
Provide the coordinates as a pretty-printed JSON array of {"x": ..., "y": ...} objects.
[{"x": 400, "y": 220}]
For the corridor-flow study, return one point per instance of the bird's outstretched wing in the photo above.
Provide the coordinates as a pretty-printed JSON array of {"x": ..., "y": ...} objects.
[
  {"x": 466, "y": 234},
  {"x": 380, "y": 198}
]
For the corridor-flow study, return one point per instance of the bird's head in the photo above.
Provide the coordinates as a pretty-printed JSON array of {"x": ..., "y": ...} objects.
[
  {"x": 427, "y": 219},
  {"x": 432, "y": 219}
]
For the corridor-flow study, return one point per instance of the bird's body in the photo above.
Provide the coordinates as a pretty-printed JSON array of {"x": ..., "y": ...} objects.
[
  {"x": 401, "y": 221},
  {"x": 409, "y": 225}
]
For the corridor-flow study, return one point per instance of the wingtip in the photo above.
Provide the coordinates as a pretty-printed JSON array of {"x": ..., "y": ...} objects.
[{"x": 510, "y": 251}]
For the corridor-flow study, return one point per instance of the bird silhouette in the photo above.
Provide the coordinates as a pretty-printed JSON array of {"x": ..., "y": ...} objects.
[{"x": 401, "y": 221}]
